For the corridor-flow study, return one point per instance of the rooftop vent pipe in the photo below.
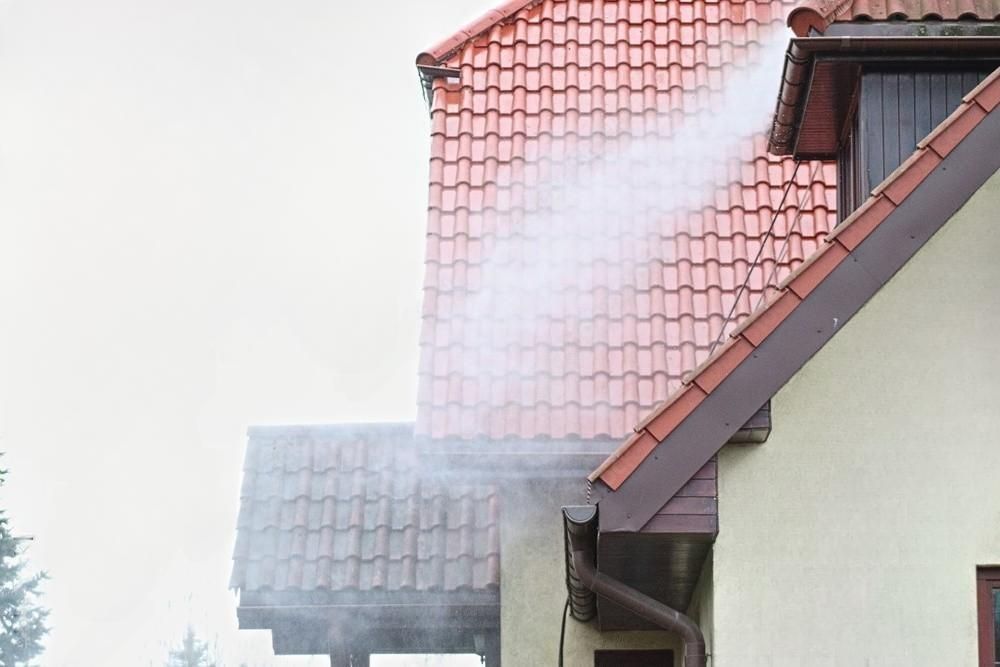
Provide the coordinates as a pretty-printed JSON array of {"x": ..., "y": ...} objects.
[{"x": 580, "y": 527}]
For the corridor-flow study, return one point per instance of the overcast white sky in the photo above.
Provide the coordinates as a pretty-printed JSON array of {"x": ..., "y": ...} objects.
[{"x": 211, "y": 216}]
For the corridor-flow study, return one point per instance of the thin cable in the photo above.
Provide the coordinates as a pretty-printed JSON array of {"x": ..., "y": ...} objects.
[
  {"x": 562, "y": 632},
  {"x": 788, "y": 235},
  {"x": 756, "y": 260}
]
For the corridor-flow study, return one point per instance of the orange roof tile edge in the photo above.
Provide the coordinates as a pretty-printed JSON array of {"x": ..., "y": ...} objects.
[
  {"x": 796, "y": 288},
  {"x": 816, "y": 15},
  {"x": 819, "y": 14},
  {"x": 447, "y": 47}
]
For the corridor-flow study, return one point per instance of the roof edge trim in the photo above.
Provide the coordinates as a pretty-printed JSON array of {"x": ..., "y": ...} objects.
[
  {"x": 816, "y": 15},
  {"x": 447, "y": 47}
]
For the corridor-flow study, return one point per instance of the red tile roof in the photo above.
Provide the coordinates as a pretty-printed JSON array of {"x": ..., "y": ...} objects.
[
  {"x": 819, "y": 14},
  {"x": 577, "y": 326},
  {"x": 329, "y": 509},
  {"x": 796, "y": 287}
]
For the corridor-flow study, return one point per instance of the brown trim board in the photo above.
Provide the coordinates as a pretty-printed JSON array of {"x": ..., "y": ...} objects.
[
  {"x": 804, "y": 53},
  {"x": 803, "y": 332}
]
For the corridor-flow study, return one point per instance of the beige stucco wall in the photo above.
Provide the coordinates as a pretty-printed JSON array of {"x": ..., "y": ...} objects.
[
  {"x": 533, "y": 586},
  {"x": 852, "y": 536}
]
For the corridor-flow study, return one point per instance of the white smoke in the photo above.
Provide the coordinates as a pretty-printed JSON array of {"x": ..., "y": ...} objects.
[{"x": 587, "y": 227}]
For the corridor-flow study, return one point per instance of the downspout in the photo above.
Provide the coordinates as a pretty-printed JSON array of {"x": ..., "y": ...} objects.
[{"x": 580, "y": 527}]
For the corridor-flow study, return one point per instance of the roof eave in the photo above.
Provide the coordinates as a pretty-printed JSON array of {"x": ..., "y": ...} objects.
[{"x": 803, "y": 53}]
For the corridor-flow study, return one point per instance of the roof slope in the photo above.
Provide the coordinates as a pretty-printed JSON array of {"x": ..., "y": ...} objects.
[
  {"x": 863, "y": 253},
  {"x": 558, "y": 300},
  {"x": 332, "y": 509},
  {"x": 819, "y": 14}
]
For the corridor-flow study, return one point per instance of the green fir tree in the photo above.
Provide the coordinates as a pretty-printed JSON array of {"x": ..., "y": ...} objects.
[
  {"x": 22, "y": 619},
  {"x": 192, "y": 653}
]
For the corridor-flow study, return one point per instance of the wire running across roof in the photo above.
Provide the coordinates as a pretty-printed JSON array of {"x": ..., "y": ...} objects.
[{"x": 568, "y": 287}]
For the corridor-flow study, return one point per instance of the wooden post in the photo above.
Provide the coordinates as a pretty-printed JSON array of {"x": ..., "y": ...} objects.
[{"x": 491, "y": 652}]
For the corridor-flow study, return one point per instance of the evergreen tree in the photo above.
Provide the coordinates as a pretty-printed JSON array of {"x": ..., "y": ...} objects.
[
  {"x": 22, "y": 620},
  {"x": 192, "y": 653}
]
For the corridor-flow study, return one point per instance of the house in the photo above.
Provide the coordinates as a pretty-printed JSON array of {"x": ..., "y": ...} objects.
[
  {"x": 608, "y": 425},
  {"x": 863, "y": 531}
]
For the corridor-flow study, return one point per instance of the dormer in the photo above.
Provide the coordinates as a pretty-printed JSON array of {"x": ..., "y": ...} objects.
[{"x": 864, "y": 82}]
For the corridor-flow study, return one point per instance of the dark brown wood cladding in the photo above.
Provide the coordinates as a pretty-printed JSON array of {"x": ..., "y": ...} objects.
[
  {"x": 851, "y": 191},
  {"x": 897, "y": 108},
  {"x": 829, "y": 103},
  {"x": 694, "y": 509}
]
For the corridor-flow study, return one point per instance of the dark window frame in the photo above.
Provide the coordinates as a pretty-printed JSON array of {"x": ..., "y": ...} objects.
[
  {"x": 633, "y": 657},
  {"x": 987, "y": 580}
]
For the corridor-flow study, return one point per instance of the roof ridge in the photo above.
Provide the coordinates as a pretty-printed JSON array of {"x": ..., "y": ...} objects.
[
  {"x": 446, "y": 47},
  {"x": 793, "y": 290},
  {"x": 819, "y": 14},
  {"x": 815, "y": 14}
]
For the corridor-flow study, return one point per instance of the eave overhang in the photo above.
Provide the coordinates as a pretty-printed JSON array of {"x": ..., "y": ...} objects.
[
  {"x": 821, "y": 73},
  {"x": 366, "y": 622}
]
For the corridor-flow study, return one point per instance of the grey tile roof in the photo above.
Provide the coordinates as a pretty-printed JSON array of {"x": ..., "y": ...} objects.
[{"x": 343, "y": 508}]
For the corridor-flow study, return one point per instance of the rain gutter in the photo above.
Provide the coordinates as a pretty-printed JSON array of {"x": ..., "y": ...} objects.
[
  {"x": 803, "y": 52},
  {"x": 429, "y": 72},
  {"x": 585, "y": 583}
]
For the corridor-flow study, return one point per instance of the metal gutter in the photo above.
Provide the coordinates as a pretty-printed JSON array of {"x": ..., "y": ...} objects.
[
  {"x": 586, "y": 583},
  {"x": 427, "y": 74},
  {"x": 803, "y": 52}
]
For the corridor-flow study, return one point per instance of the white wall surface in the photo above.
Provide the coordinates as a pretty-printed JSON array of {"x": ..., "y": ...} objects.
[{"x": 852, "y": 536}]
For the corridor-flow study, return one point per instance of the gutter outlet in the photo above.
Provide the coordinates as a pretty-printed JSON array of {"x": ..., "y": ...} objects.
[{"x": 580, "y": 528}]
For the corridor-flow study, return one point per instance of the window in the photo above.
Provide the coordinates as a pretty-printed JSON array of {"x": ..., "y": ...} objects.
[
  {"x": 657, "y": 658},
  {"x": 988, "y": 604}
]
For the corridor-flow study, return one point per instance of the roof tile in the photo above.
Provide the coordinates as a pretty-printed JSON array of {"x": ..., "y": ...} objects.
[
  {"x": 819, "y": 14},
  {"x": 860, "y": 223},
  {"x": 907, "y": 176},
  {"x": 710, "y": 374},
  {"x": 948, "y": 134},
  {"x": 682, "y": 404},
  {"x": 765, "y": 320},
  {"x": 551, "y": 93},
  {"x": 811, "y": 273},
  {"x": 342, "y": 508},
  {"x": 631, "y": 455},
  {"x": 987, "y": 93}
]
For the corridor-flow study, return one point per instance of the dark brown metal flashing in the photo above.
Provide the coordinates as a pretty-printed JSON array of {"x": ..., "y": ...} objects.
[
  {"x": 803, "y": 331},
  {"x": 839, "y": 57}
]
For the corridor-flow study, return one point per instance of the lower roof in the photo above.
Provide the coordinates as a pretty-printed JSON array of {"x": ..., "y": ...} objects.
[{"x": 327, "y": 511}]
